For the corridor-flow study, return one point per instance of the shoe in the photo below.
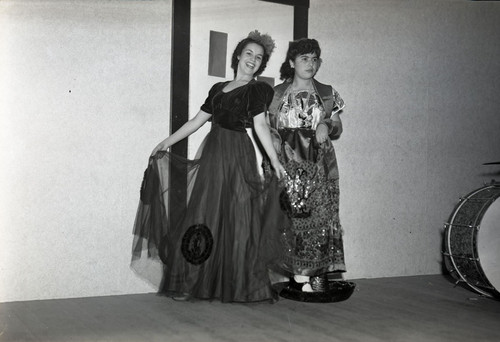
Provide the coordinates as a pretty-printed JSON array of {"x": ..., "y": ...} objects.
[
  {"x": 181, "y": 297},
  {"x": 319, "y": 283}
]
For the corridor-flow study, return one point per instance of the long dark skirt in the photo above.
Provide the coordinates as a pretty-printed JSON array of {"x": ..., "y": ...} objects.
[{"x": 227, "y": 234}]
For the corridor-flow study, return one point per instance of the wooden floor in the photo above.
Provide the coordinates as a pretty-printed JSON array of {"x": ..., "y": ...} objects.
[{"x": 421, "y": 308}]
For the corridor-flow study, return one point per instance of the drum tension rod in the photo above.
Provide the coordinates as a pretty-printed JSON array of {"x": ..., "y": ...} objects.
[
  {"x": 461, "y": 256},
  {"x": 447, "y": 225},
  {"x": 465, "y": 257}
]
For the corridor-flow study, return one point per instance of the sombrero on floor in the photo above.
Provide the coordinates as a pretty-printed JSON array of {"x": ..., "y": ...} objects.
[{"x": 336, "y": 291}]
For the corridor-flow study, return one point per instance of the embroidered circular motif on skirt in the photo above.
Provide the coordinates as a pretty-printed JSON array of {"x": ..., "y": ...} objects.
[{"x": 197, "y": 244}]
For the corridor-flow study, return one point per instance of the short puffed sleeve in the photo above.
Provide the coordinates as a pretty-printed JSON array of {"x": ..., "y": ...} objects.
[
  {"x": 260, "y": 97},
  {"x": 208, "y": 106},
  {"x": 338, "y": 102}
]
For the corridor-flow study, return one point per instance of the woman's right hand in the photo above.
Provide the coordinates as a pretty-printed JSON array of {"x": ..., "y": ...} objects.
[{"x": 160, "y": 147}]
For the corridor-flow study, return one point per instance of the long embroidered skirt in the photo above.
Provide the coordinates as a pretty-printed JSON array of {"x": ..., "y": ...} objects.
[{"x": 314, "y": 244}]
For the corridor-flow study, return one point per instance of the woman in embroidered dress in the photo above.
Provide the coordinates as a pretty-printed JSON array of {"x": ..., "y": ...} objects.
[
  {"x": 304, "y": 117},
  {"x": 222, "y": 244}
]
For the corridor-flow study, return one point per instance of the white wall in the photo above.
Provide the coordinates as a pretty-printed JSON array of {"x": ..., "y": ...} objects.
[
  {"x": 422, "y": 116},
  {"x": 84, "y": 99},
  {"x": 420, "y": 79}
]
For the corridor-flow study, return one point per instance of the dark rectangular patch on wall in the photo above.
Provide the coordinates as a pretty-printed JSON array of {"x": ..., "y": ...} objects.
[
  {"x": 217, "y": 54},
  {"x": 268, "y": 80}
]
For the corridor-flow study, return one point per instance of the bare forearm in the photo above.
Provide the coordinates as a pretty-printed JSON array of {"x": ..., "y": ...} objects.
[
  {"x": 186, "y": 130},
  {"x": 262, "y": 130},
  {"x": 264, "y": 134}
]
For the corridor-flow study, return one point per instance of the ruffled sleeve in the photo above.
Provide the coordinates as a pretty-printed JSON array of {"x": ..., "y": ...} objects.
[
  {"x": 208, "y": 106},
  {"x": 338, "y": 102},
  {"x": 260, "y": 97}
]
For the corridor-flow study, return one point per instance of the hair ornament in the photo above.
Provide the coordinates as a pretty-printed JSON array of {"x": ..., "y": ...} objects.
[{"x": 264, "y": 39}]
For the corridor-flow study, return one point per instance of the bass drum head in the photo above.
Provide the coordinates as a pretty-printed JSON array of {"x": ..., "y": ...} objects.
[{"x": 488, "y": 244}]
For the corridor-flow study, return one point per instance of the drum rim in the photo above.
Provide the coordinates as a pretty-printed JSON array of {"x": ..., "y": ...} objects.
[
  {"x": 487, "y": 243},
  {"x": 448, "y": 250}
]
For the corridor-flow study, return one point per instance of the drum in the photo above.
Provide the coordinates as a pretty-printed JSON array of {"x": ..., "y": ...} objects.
[{"x": 472, "y": 241}]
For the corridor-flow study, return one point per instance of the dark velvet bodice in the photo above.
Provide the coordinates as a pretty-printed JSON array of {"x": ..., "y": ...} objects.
[{"x": 235, "y": 109}]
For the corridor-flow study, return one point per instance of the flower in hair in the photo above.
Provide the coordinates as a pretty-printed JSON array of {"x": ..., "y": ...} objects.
[{"x": 264, "y": 39}]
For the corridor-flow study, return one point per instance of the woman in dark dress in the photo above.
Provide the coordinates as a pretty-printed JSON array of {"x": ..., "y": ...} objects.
[
  {"x": 226, "y": 237},
  {"x": 304, "y": 117}
]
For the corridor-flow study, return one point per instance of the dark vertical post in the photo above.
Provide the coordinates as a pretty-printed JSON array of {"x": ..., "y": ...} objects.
[
  {"x": 300, "y": 21},
  {"x": 300, "y": 16},
  {"x": 179, "y": 99}
]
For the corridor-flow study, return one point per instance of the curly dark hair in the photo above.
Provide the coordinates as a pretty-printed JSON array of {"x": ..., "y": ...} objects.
[
  {"x": 296, "y": 48},
  {"x": 239, "y": 49}
]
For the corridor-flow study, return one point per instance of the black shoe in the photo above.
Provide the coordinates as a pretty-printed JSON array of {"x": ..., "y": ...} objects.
[{"x": 181, "y": 297}]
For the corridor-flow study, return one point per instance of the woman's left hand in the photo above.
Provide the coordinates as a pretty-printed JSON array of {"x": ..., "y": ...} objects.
[
  {"x": 279, "y": 170},
  {"x": 322, "y": 133}
]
